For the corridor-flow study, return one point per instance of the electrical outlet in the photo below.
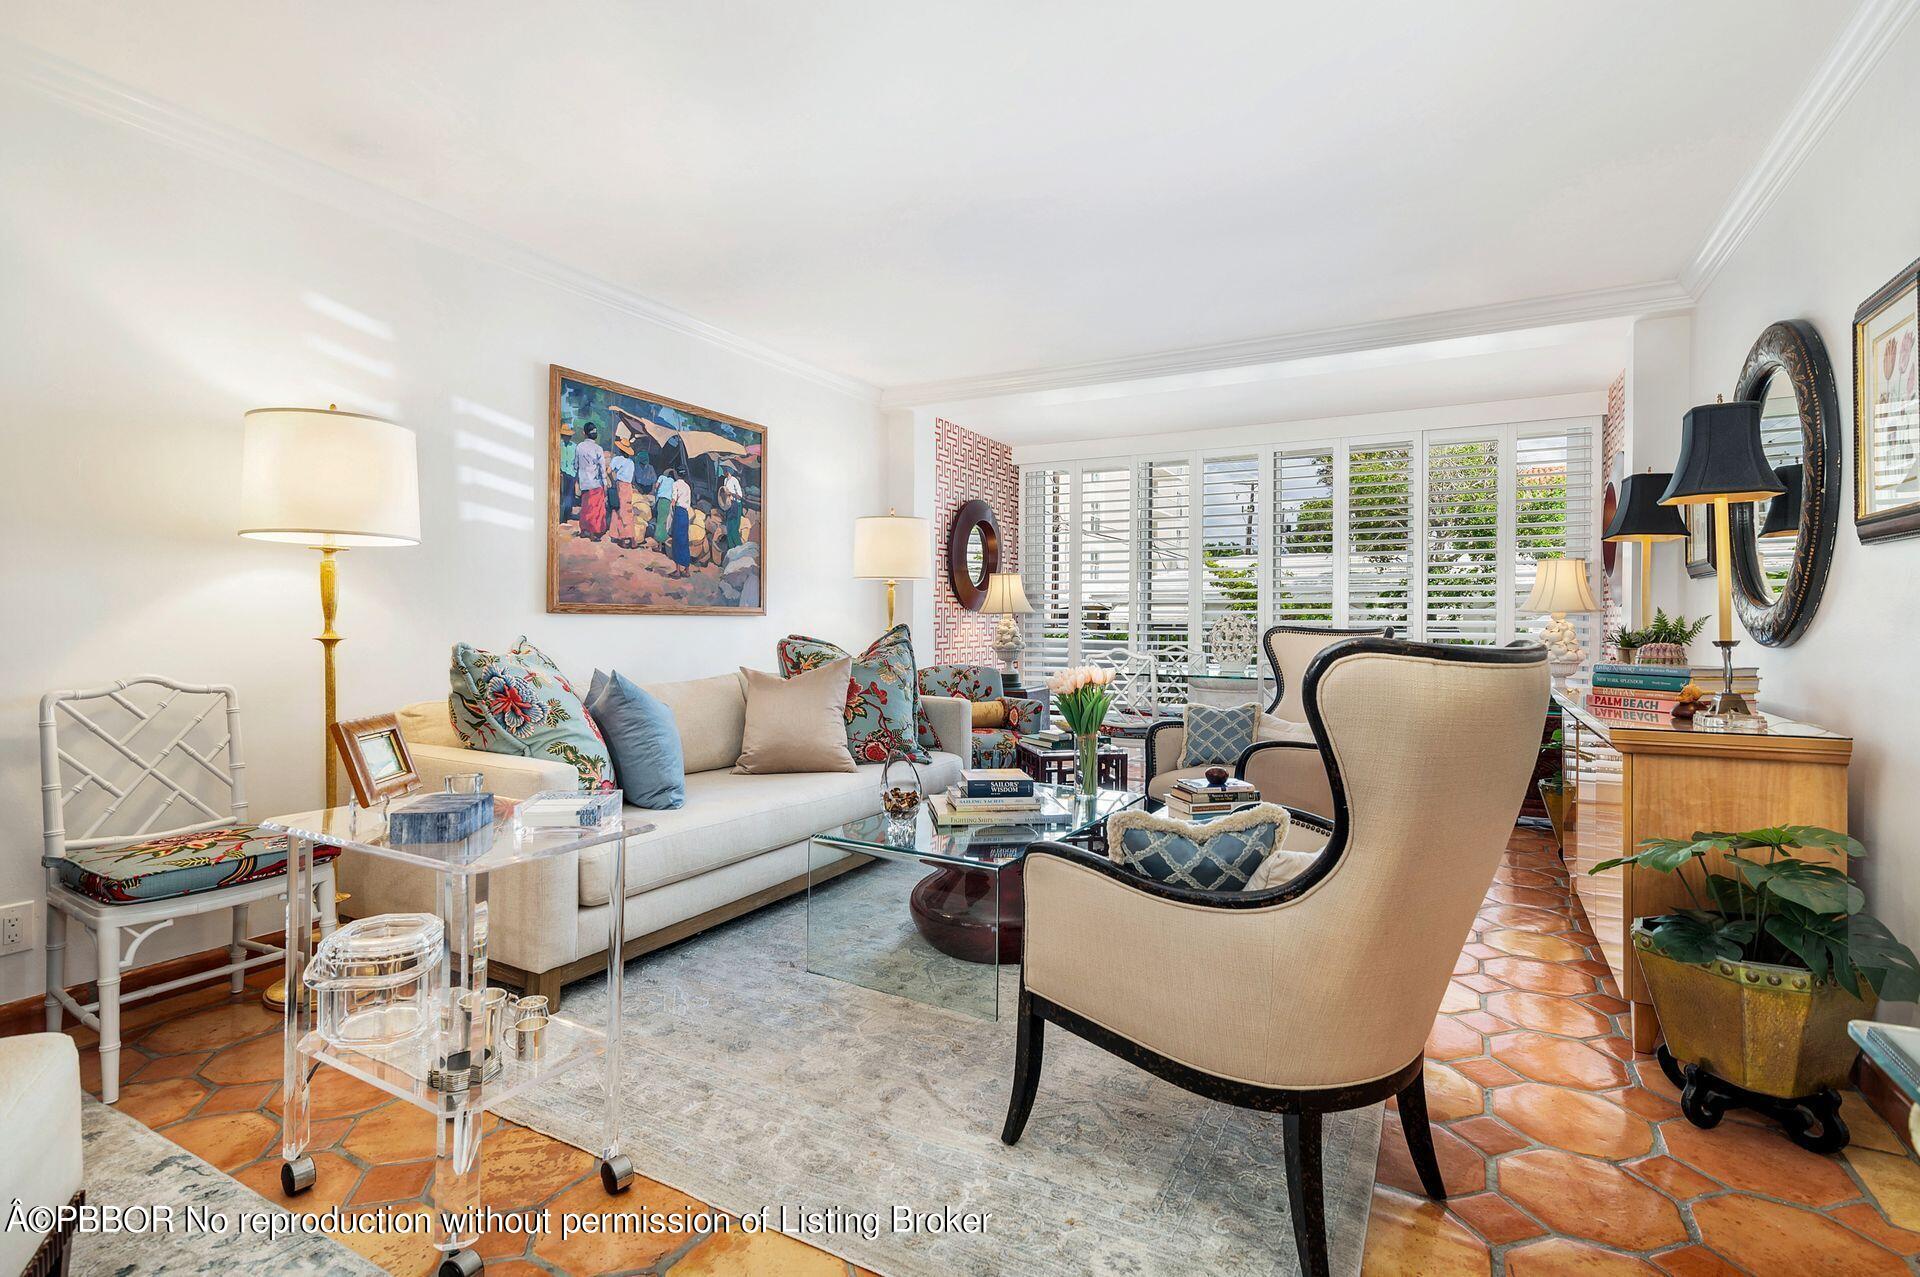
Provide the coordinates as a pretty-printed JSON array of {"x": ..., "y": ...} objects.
[{"x": 16, "y": 927}]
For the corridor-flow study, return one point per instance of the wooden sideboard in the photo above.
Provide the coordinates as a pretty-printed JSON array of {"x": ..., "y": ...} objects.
[{"x": 1631, "y": 782}]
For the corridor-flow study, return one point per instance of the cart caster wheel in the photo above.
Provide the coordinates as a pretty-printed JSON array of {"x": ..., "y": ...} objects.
[
  {"x": 616, "y": 1173},
  {"x": 297, "y": 1176},
  {"x": 459, "y": 1263}
]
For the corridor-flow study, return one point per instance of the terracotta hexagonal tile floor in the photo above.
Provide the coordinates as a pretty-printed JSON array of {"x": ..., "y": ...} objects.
[{"x": 1565, "y": 1153}]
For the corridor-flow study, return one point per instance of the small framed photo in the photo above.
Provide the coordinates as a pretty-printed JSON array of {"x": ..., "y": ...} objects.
[
  {"x": 1698, "y": 517},
  {"x": 1886, "y": 410},
  {"x": 375, "y": 756}
]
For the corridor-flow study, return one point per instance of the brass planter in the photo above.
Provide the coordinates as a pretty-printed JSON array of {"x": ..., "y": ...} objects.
[
  {"x": 1762, "y": 1027},
  {"x": 1556, "y": 798}
]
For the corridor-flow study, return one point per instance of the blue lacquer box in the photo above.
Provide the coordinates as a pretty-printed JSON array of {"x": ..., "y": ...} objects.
[{"x": 438, "y": 817}]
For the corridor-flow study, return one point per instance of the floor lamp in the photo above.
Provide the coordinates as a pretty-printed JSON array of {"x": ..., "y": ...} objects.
[
  {"x": 333, "y": 481},
  {"x": 1723, "y": 462},
  {"x": 1642, "y": 520},
  {"x": 892, "y": 548}
]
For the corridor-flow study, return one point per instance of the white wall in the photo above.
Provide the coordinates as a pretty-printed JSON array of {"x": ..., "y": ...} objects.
[
  {"x": 152, "y": 296},
  {"x": 1848, "y": 220}
]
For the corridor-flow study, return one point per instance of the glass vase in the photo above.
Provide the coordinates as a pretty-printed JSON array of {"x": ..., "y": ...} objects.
[{"x": 1086, "y": 752}]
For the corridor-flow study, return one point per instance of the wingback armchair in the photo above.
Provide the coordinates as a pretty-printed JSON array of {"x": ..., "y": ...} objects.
[
  {"x": 999, "y": 720},
  {"x": 1287, "y": 765},
  {"x": 1317, "y": 995}
]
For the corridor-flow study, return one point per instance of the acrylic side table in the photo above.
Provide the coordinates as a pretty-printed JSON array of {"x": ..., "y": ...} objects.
[{"x": 461, "y": 871}]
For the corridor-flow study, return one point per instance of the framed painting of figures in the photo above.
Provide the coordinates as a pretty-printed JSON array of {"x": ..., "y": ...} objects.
[{"x": 652, "y": 505}]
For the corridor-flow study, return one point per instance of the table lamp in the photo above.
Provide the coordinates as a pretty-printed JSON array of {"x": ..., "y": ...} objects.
[
  {"x": 332, "y": 481},
  {"x": 892, "y": 548},
  {"x": 1723, "y": 463},
  {"x": 1641, "y": 519},
  {"x": 1006, "y": 599},
  {"x": 1783, "y": 515},
  {"x": 1560, "y": 587}
]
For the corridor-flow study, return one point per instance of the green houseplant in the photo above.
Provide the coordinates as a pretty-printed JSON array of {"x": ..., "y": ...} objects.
[
  {"x": 1755, "y": 981},
  {"x": 1665, "y": 639},
  {"x": 1626, "y": 642}
]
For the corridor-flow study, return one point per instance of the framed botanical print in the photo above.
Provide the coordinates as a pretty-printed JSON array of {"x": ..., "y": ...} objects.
[
  {"x": 1886, "y": 410},
  {"x": 653, "y": 505},
  {"x": 1698, "y": 516}
]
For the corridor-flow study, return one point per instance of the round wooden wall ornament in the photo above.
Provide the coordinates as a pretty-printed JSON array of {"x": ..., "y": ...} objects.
[{"x": 975, "y": 518}]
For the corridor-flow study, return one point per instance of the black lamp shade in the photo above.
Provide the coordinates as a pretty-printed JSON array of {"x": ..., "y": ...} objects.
[
  {"x": 1640, "y": 516},
  {"x": 1721, "y": 457},
  {"x": 1783, "y": 516}
]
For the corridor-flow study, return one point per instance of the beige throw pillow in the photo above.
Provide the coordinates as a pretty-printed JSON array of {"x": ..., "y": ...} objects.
[{"x": 797, "y": 724}]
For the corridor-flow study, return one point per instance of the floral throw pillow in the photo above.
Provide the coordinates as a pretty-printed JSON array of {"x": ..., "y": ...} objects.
[
  {"x": 518, "y": 702},
  {"x": 883, "y": 698}
]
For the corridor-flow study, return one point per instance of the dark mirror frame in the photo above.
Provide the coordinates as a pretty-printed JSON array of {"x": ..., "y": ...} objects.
[
  {"x": 1792, "y": 349},
  {"x": 972, "y": 592}
]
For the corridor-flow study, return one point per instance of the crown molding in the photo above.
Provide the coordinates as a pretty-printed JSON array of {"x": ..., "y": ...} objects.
[
  {"x": 1566, "y": 308},
  {"x": 82, "y": 90},
  {"x": 1861, "y": 44}
]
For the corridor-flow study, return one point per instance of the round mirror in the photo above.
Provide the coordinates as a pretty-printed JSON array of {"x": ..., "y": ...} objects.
[
  {"x": 1782, "y": 547},
  {"x": 973, "y": 553}
]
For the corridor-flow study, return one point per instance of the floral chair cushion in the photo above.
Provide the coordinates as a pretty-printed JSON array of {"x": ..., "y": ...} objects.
[
  {"x": 518, "y": 702},
  {"x": 968, "y": 682},
  {"x": 178, "y": 864},
  {"x": 995, "y": 747},
  {"x": 883, "y": 700}
]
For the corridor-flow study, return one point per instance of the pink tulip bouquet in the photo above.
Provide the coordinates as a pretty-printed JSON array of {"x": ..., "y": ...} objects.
[{"x": 1082, "y": 696}]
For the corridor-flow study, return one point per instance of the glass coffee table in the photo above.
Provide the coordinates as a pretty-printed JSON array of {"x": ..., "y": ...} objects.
[{"x": 935, "y": 912}]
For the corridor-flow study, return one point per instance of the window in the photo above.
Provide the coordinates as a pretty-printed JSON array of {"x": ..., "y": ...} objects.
[
  {"x": 1379, "y": 523},
  {"x": 1436, "y": 533},
  {"x": 1230, "y": 529},
  {"x": 1302, "y": 583}
]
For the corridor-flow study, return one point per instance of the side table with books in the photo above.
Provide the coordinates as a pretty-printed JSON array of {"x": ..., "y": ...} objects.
[
  {"x": 1051, "y": 761},
  {"x": 1198, "y": 798}
]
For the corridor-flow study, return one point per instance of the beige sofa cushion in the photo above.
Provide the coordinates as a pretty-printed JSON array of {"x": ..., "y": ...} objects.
[
  {"x": 428, "y": 723},
  {"x": 730, "y": 816},
  {"x": 797, "y": 724},
  {"x": 711, "y": 714}
]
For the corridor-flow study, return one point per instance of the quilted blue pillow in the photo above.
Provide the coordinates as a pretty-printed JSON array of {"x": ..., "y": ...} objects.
[
  {"x": 1218, "y": 735},
  {"x": 1217, "y": 855}
]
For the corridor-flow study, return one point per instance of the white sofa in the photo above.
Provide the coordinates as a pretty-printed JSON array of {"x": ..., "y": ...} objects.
[
  {"x": 40, "y": 1130},
  {"x": 738, "y": 843}
]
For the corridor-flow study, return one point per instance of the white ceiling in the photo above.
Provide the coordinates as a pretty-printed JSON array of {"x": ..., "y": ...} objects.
[
  {"x": 905, "y": 193},
  {"x": 1527, "y": 364}
]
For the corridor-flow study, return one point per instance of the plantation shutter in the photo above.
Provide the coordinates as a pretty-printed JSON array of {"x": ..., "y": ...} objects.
[
  {"x": 1166, "y": 577},
  {"x": 1303, "y": 565},
  {"x": 1046, "y": 501},
  {"x": 1554, "y": 513},
  {"x": 1380, "y": 535},
  {"x": 1463, "y": 541},
  {"x": 1230, "y": 545},
  {"x": 1106, "y": 553}
]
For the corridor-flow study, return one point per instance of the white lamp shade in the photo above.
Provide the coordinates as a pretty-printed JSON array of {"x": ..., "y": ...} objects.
[
  {"x": 1006, "y": 595},
  {"x": 328, "y": 479},
  {"x": 1560, "y": 585},
  {"x": 892, "y": 547}
]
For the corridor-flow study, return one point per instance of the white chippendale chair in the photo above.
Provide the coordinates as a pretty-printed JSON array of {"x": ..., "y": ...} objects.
[{"x": 133, "y": 867}]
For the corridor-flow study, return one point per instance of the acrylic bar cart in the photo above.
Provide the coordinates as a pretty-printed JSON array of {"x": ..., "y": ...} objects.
[{"x": 404, "y": 1069}]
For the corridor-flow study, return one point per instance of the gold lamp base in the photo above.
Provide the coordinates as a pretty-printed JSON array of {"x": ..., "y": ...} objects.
[{"x": 274, "y": 997}]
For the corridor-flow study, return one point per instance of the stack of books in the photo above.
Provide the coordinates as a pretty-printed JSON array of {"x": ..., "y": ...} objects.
[
  {"x": 987, "y": 796},
  {"x": 1049, "y": 738},
  {"x": 1648, "y": 693},
  {"x": 1191, "y": 797}
]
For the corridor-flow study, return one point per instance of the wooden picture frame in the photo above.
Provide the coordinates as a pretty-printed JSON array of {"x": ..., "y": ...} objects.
[
  {"x": 1698, "y": 516},
  {"x": 375, "y": 756},
  {"x": 626, "y": 557},
  {"x": 1886, "y": 410}
]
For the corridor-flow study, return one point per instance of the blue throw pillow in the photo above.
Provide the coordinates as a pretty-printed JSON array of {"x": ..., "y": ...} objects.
[
  {"x": 1223, "y": 854},
  {"x": 1218, "y": 735},
  {"x": 645, "y": 744}
]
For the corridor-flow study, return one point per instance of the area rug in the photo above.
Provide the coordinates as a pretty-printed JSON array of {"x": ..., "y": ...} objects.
[
  {"x": 761, "y": 1088},
  {"x": 129, "y": 1166}
]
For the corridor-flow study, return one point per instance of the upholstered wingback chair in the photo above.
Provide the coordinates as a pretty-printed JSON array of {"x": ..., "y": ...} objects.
[
  {"x": 1283, "y": 761},
  {"x": 1333, "y": 978},
  {"x": 999, "y": 720}
]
